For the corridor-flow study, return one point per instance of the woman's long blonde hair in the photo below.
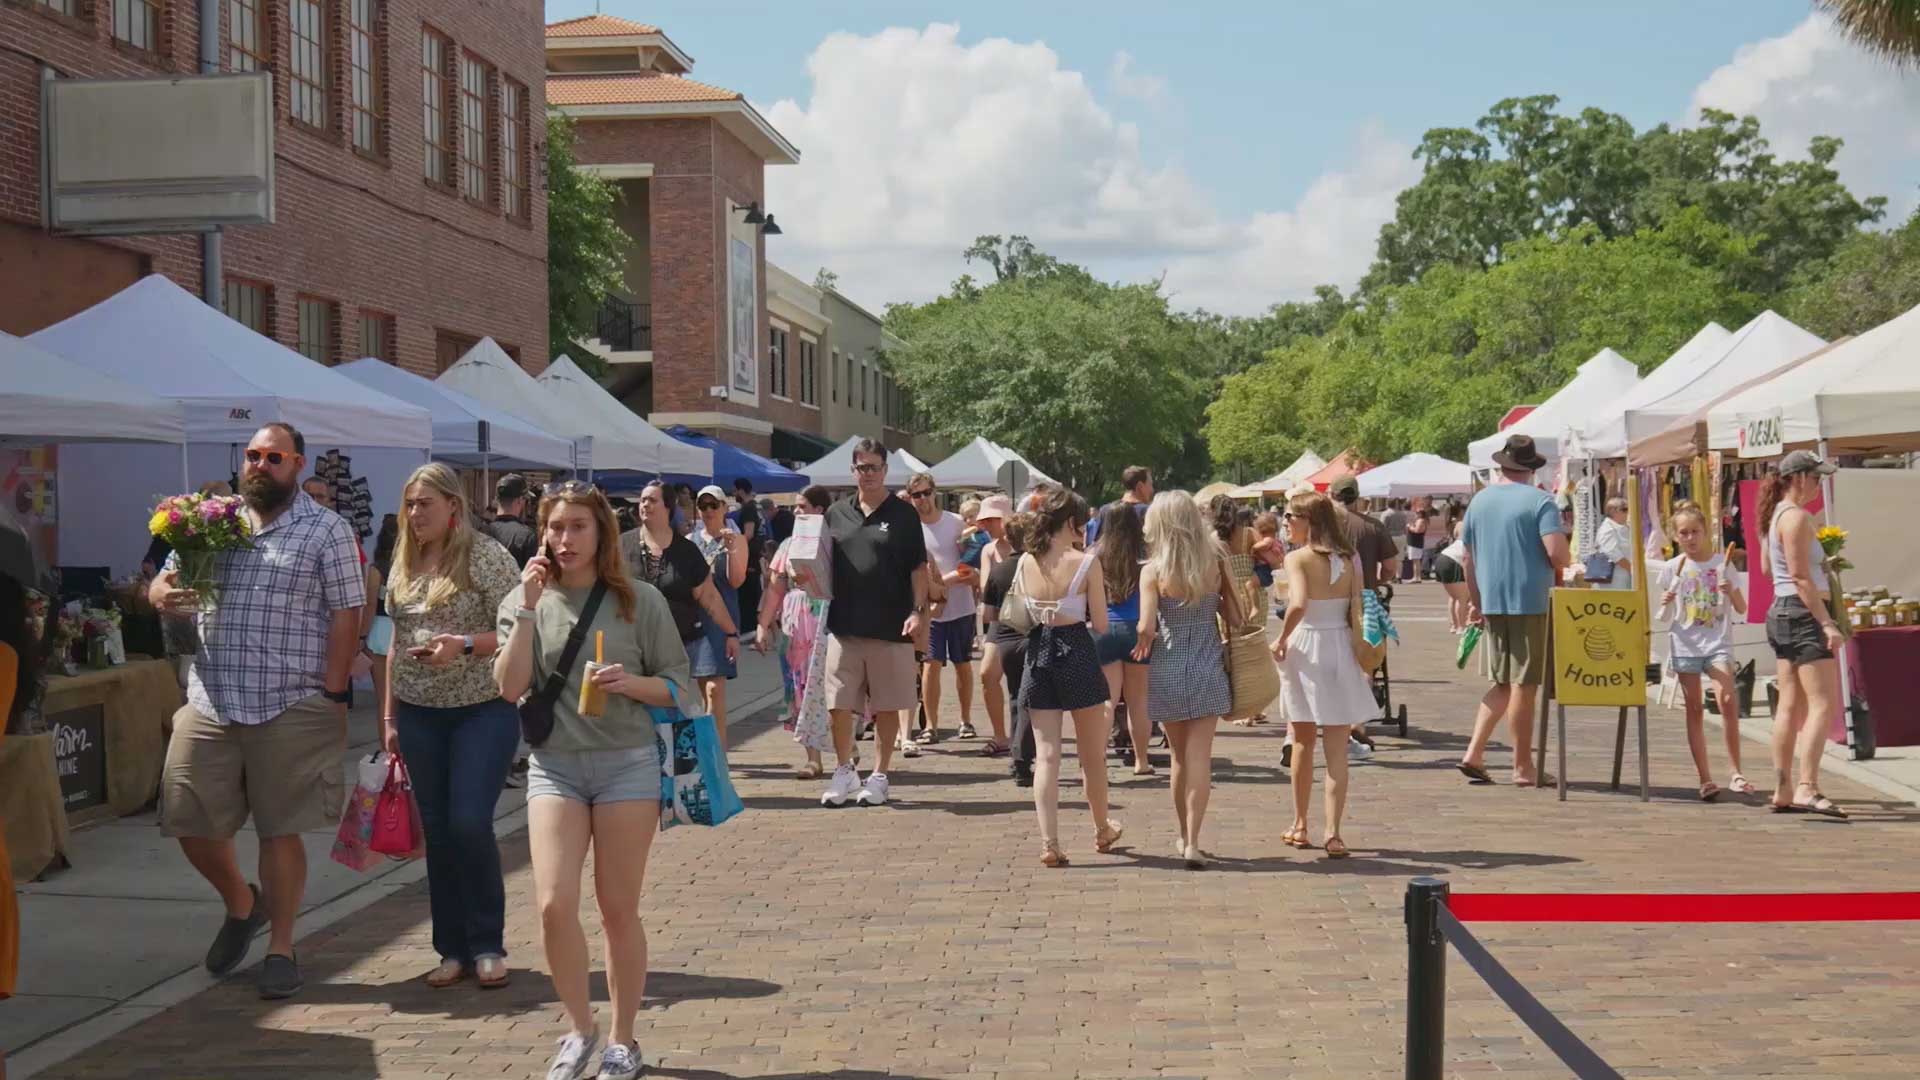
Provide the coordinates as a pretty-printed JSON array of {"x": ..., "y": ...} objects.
[
  {"x": 455, "y": 573},
  {"x": 1182, "y": 552}
]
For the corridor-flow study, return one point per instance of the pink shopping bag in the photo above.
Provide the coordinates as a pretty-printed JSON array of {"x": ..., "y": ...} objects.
[{"x": 352, "y": 844}]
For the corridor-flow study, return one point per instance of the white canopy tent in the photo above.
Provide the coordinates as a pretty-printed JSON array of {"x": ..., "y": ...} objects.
[
  {"x": 47, "y": 398},
  {"x": 621, "y": 439},
  {"x": 1605, "y": 376},
  {"x": 1604, "y": 435},
  {"x": 488, "y": 375},
  {"x": 229, "y": 381},
  {"x": 1860, "y": 396},
  {"x": 978, "y": 465},
  {"x": 1759, "y": 351},
  {"x": 466, "y": 430},
  {"x": 836, "y": 468},
  {"x": 1415, "y": 475},
  {"x": 1286, "y": 479}
]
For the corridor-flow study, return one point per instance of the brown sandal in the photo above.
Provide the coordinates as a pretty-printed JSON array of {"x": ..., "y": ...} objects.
[
  {"x": 449, "y": 973},
  {"x": 1295, "y": 838},
  {"x": 492, "y": 972},
  {"x": 1336, "y": 848},
  {"x": 1051, "y": 855},
  {"x": 1104, "y": 839}
]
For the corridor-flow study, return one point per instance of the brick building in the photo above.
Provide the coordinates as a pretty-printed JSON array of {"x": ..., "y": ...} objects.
[{"x": 410, "y": 219}]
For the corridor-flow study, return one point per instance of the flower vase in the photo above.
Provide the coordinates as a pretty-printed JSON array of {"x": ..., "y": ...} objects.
[
  {"x": 197, "y": 573},
  {"x": 97, "y": 653}
]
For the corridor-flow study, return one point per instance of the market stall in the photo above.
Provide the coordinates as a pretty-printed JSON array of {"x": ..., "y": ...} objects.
[
  {"x": 1415, "y": 475},
  {"x": 1285, "y": 480},
  {"x": 488, "y": 375},
  {"x": 731, "y": 463},
  {"x": 835, "y": 470},
  {"x": 467, "y": 432},
  {"x": 1763, "y": 348},
  {"x": 1345, "y": 463},
  {"x": 628, "y": 450},
  {"x": 1605, "y": 376},
  {"x": 1604, "y": 433},
  {"x": 978, "y": 465}
]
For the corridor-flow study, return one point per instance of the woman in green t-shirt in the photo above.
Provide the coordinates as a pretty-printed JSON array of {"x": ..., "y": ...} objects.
[{"x": 596, "y": 779}]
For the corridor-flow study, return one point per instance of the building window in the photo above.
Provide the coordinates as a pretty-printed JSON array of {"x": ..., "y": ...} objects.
[
  {"x": 307, "y": 62},
  {"x": 777, "y": 384},
  {"x": 247, "y": 35},
  {"x": 833, "y": 375},
  {"x": 473, "y": 129},
  {"x": 58, "y": 7},
  {"x": 135, "y": 22},
  {"x": 809, "y": 373},
  {"x": 515, "y": 138},
  {"x": 864, "y": 406},
  {"x": 316, "y": 330},
  {"x": 246, "y": 304},
  {"x": 365, "y": 58},
  {"x": 376, "y": 335},
  {"x": 449, "y": 347},
  {"x": 433, "y": 92},
  {"x": 886, "y": 401}
]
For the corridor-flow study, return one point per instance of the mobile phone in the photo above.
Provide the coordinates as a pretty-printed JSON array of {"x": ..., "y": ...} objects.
[{"x": 420, "y": 652}]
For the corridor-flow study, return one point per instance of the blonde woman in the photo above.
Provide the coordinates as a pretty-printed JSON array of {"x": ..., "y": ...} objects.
[
  {"x": 1184, "y": 586},
  {"x": 1320, "y": 677},
  {"x": 443, "y": 715},
  {"x": 595, "y": 781}
]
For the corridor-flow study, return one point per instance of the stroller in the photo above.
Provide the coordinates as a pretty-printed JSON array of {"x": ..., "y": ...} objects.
[{"x": 1383, "y": 678}]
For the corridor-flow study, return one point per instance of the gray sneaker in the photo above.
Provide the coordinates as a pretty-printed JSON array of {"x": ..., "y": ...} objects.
[
  {"x": 620, "y": 1061},
  {"x": 279, "y": 977},
  {"x": 230, "y": 944},
  {"x": 570, "y": 1061}
]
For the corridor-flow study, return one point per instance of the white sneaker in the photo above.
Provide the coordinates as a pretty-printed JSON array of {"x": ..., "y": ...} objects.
[
  {"x": 1358, "y": 750},
  {"x": 845, "y": 782},
  {"x": 620, "y": 1062},
  {"x": 570, "y": 1062},
  {"x": 874, "y": 791},
  {"x": 907, "y": 747}
]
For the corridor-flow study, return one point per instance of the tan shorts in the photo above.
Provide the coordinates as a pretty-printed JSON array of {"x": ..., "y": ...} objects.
[
  {"x": 1517, "y": 649},
  {"x": 865, "y": 675},
  {"x": 287, "y": 772}
]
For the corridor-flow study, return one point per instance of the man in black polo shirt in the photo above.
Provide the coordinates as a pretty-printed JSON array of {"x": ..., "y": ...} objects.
[
  {"x": 878, "y": 605},
  {"x": 509, "y": 513}
]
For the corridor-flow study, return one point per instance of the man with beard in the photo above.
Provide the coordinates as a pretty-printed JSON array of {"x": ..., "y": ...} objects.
[{"x": 265, "y": 724}]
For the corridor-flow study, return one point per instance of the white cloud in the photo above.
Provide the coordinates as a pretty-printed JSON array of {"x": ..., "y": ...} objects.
[
  {"x": 1812, "y": 81},
  {"x": 915, "y": 142},
  {"x": 1129, "y": 83}
]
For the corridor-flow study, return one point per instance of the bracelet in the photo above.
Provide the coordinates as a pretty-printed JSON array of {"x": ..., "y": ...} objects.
[
  {"x": 733, "y": 633},
  {"x": 524, "y": 613}
]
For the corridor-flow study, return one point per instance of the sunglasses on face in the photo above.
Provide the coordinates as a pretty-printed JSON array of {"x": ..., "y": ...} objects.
[
  {"x": 569, "y": 487},
  {"x": 919, "y": 494},
  {"x": 866, "y": 470},
  {"x": 709, "y": 504},
  {"x": 271, "y": 457}
]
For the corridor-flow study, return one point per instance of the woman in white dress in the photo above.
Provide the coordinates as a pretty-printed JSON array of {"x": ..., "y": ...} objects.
[{"x": 1322, "y": 686}]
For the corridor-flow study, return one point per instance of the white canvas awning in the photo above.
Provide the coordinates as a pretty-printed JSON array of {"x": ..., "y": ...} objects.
[
  {"x": 45, "y": 397},
  {"x": 1861, "y": 395},
  {"x": 1416, "y": 475},
  {"x": 978, "y": 464},
  {"x": 1286, "y": 479},
  {"x": 466, "y": 430},
  {"x": 488, "y": 375},
  {"x": 1604, "y": 377},
  {"x": 835, "y": 469},
  {"x": 621, "y": 439},
  {"x": 230, "y": 380},
  {"x": 1604, "y": 435}
]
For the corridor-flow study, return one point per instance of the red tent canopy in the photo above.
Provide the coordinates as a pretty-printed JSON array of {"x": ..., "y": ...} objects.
[{"x": 1345, "y": 463}]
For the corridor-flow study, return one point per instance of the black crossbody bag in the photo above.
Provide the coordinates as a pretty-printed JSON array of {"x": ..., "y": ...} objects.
[{"x": 536, "y": 710}]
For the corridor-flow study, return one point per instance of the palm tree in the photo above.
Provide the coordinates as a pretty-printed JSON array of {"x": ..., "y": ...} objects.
[{"x": 1888, "y": 27}]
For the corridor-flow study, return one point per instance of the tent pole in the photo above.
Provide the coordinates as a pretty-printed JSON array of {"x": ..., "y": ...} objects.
[{"x": 1846, "y": 680}]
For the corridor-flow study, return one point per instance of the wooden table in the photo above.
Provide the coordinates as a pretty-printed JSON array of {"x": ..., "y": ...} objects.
[{"x": 108, "y": 728}]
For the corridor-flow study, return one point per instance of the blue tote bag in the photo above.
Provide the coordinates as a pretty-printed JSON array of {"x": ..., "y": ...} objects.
[{"x": 694, "y": 786}]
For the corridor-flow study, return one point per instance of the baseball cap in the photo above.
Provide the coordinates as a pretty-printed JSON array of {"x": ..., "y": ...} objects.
[
  {"x": 713, "y": 490},
  {"x": 995, "y": 506},
  {"x": 1345, "y": 489},
  {"x": 1806, "y": 461},
  {"x": 511, "y": 486}
]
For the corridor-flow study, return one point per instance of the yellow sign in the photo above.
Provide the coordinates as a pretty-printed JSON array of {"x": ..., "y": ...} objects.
[{"x": 1600, "y": 647}]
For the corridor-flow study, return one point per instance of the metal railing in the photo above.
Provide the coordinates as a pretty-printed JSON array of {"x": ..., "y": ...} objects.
[{"x": 625, "y": 325}]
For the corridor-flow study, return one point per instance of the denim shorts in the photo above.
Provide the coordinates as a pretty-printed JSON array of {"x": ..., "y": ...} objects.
[
  {"x": 1116, "y": 645},
  {"x": 596, "y": 776},
  {"x": 1794, "y": 633},
  {"x": 1701, "y": 665}
]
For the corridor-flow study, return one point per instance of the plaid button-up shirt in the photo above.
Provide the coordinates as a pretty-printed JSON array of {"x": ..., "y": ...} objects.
[{"x": 263, "y": 649}]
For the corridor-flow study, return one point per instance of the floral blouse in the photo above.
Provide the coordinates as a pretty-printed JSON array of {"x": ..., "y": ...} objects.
[{"x": 469, "y": 679}]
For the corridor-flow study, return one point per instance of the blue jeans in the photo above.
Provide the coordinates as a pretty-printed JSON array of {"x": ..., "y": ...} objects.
[{"x": 458, "y": 759}]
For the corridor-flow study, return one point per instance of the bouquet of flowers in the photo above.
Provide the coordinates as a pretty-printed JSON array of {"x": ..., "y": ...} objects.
[
  {"x": 69, "y": 632},
  {"x": 105, "y": 645},
  {"x": 198, "y": 528},
  {"x": 1832, "y": 539}
]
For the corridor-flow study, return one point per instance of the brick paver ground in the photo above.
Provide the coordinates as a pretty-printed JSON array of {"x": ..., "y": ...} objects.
[{"x": 925, "y": 940}]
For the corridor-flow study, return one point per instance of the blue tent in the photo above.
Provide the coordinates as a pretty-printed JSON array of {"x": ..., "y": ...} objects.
[{"x": 730, "y": 463}]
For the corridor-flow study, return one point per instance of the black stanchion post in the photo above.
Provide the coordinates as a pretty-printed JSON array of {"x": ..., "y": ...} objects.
[{"x": 1426, "y": 980}]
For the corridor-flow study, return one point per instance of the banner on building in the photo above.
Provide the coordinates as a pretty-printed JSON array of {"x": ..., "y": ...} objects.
[{"x": 743, "y": 316}]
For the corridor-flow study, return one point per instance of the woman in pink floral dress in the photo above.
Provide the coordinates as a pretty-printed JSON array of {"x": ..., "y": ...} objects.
[{"x": 801, "y": 619}]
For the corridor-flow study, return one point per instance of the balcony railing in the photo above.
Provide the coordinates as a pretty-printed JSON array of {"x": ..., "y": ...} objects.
[{"x": 625, "y": 326}]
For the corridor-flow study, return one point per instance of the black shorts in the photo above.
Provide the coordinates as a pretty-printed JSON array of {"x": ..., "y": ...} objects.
[
  {"x": 1063, "y": 670},
  {"x": 1448, "y": 572},
  {"x": 1794, "y": 633}
]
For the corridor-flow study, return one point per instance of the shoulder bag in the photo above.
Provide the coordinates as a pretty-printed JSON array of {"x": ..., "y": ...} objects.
[
  {"x": 536, "y": 709},
  {"x": 1015, "y": 613},
  {"x": 1369, "y": 655}
]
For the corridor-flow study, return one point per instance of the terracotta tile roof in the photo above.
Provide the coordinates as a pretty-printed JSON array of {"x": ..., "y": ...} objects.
[
  {"x": 598, "y": 26},
  {"x": 645, "y": 88}
]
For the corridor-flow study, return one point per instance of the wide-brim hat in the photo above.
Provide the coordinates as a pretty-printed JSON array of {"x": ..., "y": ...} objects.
[
  {"x": 1520, "y": 453},
  {"x": 994, "y": 506}
]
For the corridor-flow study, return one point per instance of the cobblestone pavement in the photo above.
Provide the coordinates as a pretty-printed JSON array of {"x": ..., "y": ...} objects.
[{"x": 925, "y": 940}]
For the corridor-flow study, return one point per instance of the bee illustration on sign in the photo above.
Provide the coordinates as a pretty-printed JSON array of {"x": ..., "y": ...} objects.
[{"x": 1597, "y": 642}]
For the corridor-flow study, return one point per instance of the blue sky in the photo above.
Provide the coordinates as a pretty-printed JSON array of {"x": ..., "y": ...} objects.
[{"x": 1228, "y": 112}]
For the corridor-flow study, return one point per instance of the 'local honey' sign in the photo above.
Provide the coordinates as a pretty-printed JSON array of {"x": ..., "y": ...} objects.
[{"x": 1599, "y": 647}]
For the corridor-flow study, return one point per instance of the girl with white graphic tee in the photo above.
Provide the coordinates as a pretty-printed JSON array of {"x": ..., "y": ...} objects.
[{"x": 1699, "y": 595}]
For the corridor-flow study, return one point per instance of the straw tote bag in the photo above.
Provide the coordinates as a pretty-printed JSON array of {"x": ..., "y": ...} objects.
[{"x": 1251, "y": 672}]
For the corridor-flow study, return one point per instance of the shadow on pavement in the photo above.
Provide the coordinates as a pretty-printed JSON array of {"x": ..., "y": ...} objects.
[
  {"x": 837, "y": 1074},
  {"x": 266, "y": 1053},
  {"x": 530, "y": 990}
]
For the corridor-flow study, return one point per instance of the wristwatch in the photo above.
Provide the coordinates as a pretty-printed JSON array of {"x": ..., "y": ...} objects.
[
  {"x": 466, "y": 645},
  {"x": 524, "y": 613},
  {"x": 343, "y": 697}
]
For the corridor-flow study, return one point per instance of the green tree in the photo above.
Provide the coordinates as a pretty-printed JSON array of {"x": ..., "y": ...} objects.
[
  {"x": 586, "y": 250},
  {"x": 1874, "y": 277},
  {"x": 1888, "y": 27}
]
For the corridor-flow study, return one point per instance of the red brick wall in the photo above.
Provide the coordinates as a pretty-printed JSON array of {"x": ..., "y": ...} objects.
[{"x": 364, "y": 232}]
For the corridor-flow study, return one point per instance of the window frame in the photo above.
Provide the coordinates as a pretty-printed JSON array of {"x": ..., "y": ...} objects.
[
  {"x": 373, "y": 73},
  {"x": 260, "y": 56},
  {"x": 474, "y": 100},
  {"x": 809, "y": 372},
  {"x": 516, "y": 143},
  {"x": 329, "y": 316},
  {"x": 261, "y": 291},
  {"x": 436, "y": 90},
  {"x": 152, "y": 26},
  {"x": 320, "y": 92},
  {"x": 387, "y": 330}
]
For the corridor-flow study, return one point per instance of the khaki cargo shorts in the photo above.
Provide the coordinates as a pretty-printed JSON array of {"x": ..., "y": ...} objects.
[
  {"x": 286, "y": 772},
  {"x": 1517, "y": 649},
  {"x": 866, "y": 675}
]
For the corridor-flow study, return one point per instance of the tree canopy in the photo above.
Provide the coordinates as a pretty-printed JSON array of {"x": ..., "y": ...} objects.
[{"x": 585, "y": 247}]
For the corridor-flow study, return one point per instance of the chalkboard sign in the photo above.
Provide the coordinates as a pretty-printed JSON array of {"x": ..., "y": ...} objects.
[{"x": 80, "y": 756}]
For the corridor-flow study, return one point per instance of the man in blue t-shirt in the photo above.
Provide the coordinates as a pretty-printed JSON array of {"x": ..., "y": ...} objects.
[
  {"x": 1136, "y": 483},
  {"x": 1516, "y": 548}
]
